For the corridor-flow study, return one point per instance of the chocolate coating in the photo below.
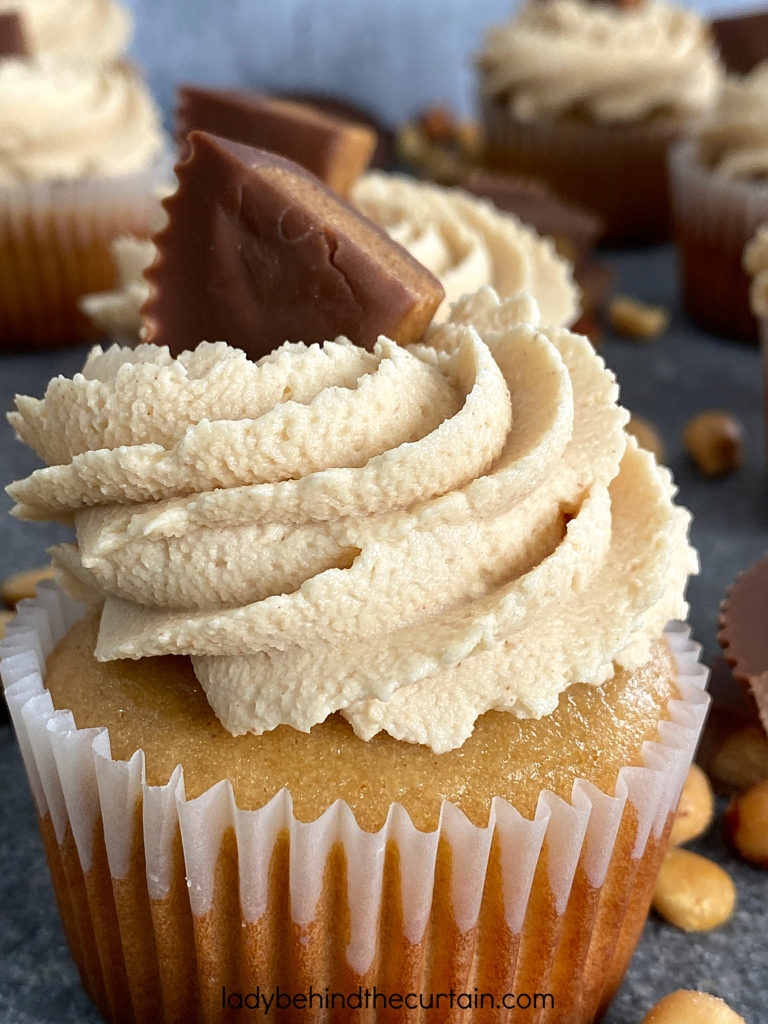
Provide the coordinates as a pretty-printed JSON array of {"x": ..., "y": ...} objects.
[
  {"x": 334, "y": 149},
  {"x": 257, "y": 252},
  {"x": 535, "y": 204},
  {"x": 742, "y": 40},
  {"x": 12, "y": 40},
  {"x": 744, "y": 634}
]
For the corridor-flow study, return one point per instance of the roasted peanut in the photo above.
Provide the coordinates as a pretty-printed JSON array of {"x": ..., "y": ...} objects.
[
  {"x": 635, "y": 319},
  {"x": 746, "y": 824},
  {"x": 438, "y": 124},
  {"x": 713, "y": 439},
  {"x": 741, "y": 759},
  {"x": 696, "y": 808},
  {"x": 24, "y": 584},
  {"x": 692, "y": 892},
  {"x": 687, "y": 1007},
  {"x": 647, "y": 436}
]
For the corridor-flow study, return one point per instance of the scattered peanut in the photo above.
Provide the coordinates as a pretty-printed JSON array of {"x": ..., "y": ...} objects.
[
  {"x": 687, "y": 1007},
  {"x": 24, "y": 584},
  {"x": 636, "y": 319},
  {"x": 713, "y": 440},
  {"x": 746, "y": 824},
  {"x": 741, "y": 759},
  {"x": 438, "y": 124},
  {"x": 696, "y": 808},
  {"x": 692, "y": 892},
  {"x": 647, "y": 436}
]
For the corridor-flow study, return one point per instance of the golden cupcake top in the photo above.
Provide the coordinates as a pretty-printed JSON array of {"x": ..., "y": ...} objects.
[
  {"x": 90, "y": 30},
  {"x": 613, "y": 64},
  {"x": 63, "y": 120},
  {"x": 734, "y": 139}
]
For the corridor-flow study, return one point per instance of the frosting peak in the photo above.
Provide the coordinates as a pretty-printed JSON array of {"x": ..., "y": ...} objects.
[
  {"x": 410, "y": 536},
  {"x": 70, "y": 119},
  {"x": 734, "y": 139},
  {"x": 569, "y": 56}
]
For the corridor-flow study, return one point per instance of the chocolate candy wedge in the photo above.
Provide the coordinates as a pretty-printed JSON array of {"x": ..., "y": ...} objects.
[
  {"x": 12, "y": 41},
  {"x": 335, "y": 150},
  {"x": 257, "y": 251},
  {"x": 742, "y": 40}
]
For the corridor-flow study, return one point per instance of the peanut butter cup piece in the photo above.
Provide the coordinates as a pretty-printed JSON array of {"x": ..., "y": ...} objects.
[
  {"x": 334, "y": 149},
  {"x": 742, "y": 40},
  {"x": 257, "y": 252},
  {"x": 744, "y": 635},
  {"x": 12, "y": 40}
]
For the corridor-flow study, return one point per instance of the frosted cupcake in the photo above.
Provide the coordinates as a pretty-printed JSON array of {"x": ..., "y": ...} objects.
[
  {"x": 81, "y": 149},
  {"x": 407, "y": 760},
  {"x": 589, "y": 97},
  {"x": 464, "y": 241},
  {"x": 720, "y": 194}
]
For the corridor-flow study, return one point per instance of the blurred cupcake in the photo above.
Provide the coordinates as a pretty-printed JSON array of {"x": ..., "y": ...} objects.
[
  {"x": 430, "y": 727},
  {"x": 464, "y": 241},
  {"x": 720, "y": 198},
  {"x": 81, "y": 149},
  {"x": 589, "y": 97},
  {"x": 94, "y": 31}
]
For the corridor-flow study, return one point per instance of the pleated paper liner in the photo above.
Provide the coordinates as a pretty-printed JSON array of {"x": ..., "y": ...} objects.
[
  {"x": 54, "y": 248},
  {"x": 714, "y": 218},
  {"x": 177, "y": 908},
  {"x": 617, "y": 170}
]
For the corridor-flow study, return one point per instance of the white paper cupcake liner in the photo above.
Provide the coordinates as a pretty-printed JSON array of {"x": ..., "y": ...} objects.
[
  {"x": 714, "y": 218},
  {"x": 54, "y": 248},
  {"x": 84, "y": 794}
]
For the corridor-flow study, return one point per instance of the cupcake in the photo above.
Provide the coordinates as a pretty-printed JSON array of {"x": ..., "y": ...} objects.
[
  {"x": 372, "y": 719},
  {"x": 589, "y": 97},
  {"x": 720, "y": 197},
  {"x": 464, "y": 241}
]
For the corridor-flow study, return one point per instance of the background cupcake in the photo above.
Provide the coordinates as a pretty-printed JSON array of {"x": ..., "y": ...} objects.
[
  {"x": 589, "y": 97},
  {"x": 82, "y": 148},
  {"x": 90, "y": 30},
  {"x": 720, "y": 195}
]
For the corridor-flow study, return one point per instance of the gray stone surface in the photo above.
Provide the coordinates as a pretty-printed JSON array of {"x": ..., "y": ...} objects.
[{"x": 667, "y": 381}]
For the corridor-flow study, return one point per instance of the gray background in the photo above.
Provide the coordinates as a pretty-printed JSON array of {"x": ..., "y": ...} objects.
[{"x": 392, "y": 56}]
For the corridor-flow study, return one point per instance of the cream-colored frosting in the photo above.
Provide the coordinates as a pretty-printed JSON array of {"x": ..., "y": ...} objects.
[
  {"x": 91, "y": 30},
  {"x": 756, "y": 265},
  {"x": 734, "y": 140},
  {"x": 614, "y": 64},
  {"x": 464, "y": 241},
  {"x": 410, "y": 536},
  {"x": 70, "y": 119}
]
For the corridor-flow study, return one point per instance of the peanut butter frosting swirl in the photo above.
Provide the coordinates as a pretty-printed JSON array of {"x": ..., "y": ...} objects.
[
  {"x": 610, "y": 63},
  {"x": 89, "y": 30},
  {"x": 734, "y": 140},
  {"x": 64, "y": 120},
  {"x": 410, "y": 536},
  {"x": 466, "y": 242}
]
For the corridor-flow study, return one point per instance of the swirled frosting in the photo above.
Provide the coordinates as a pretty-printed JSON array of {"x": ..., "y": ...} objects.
[
  {"x": 69, "y": 119},
  {"x": 734, "y": 140},
  {"x": 90, "y": 30},
  {"x": 567, "y": 56},
  {"x": 466, "y": 242},
  {"x": 410, "y": 536}
]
